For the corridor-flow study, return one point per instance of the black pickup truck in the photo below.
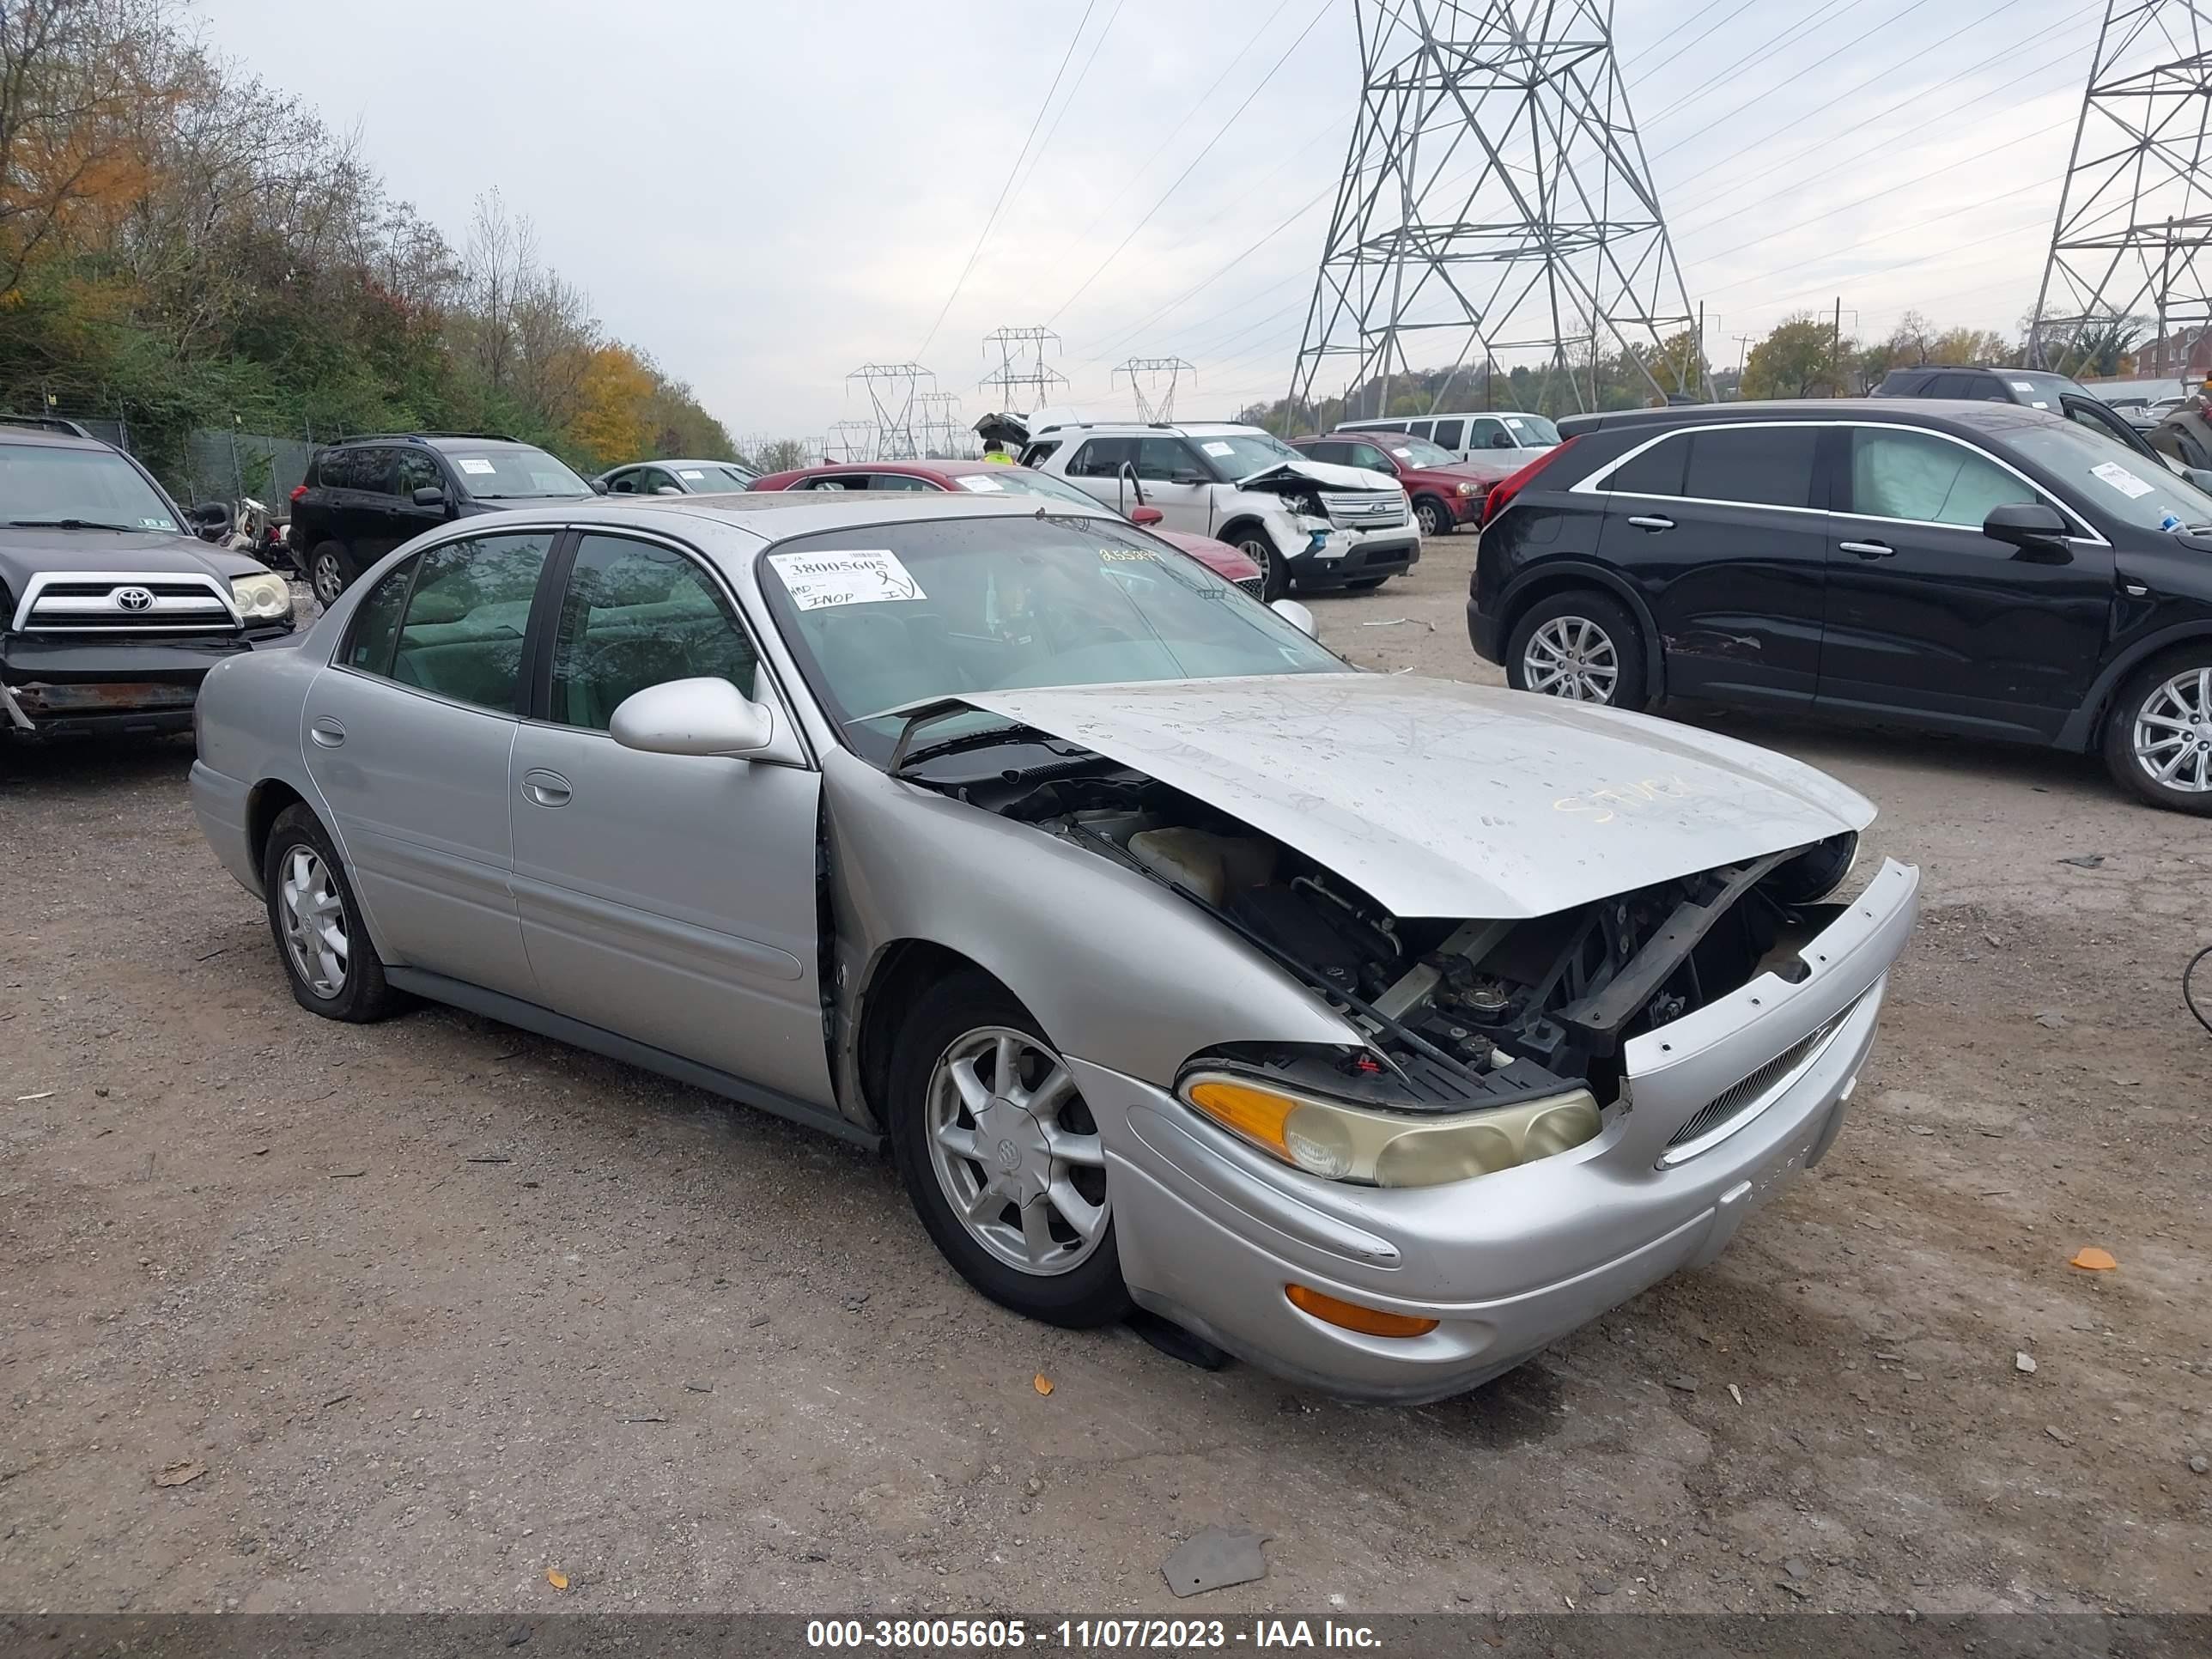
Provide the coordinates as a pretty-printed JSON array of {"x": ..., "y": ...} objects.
[{"x": 111, "y": 610}]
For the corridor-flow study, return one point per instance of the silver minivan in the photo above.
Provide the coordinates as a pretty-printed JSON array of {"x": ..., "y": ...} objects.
[{"x": 1491, "y": 434}]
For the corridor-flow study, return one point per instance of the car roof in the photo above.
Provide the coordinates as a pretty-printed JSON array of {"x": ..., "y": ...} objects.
[
  {"x": 1172, "y": 428},
  {"x": 437, "y": 440},
  {"x": 773, "y": 515},
  {"x": 1980, "y": 413},
  {"x": 41, "y": 438}
]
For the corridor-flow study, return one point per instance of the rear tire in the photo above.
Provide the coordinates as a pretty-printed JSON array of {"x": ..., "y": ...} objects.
[
  {"x": 1582, "y": 646},
  {"x": 2163, "y": 716},
  {"x": 974, "y": 1087},
  {"x": 332, "y": 966},
  {"x": 330, "y": 571}
]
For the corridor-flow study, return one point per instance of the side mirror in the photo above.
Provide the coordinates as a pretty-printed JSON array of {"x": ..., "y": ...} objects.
[
  {"x": 1296, "y": 615},
  {"x": 429, "y": 495},
  {"x": 2030, "y": 526},
  {"x": 705, "y": 716},
  {"x": 1145, "y": 515},
  {"x": 666, "y": 489},
  {"x": 1188, "y": 475},
  {"x": 1502, "y": 441},
  {"x": 599, "y": 486}
]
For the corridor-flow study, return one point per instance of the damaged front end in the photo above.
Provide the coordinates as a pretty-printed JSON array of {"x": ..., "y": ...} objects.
[{"x": 1484, "y": 1043}]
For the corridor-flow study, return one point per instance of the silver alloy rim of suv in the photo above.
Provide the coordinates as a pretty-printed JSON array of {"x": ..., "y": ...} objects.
[
  {"x": 314, "y": 922},
  {"x": 2173, "y": 733},
  {"x": 330, "y": 577},
  {"x": 1571, "y": 657},
  {"x": 1262, "y": 552},
  {"x": 1006, "y": 1155}
]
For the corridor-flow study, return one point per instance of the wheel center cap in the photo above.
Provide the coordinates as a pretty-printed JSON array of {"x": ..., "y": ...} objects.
[{"x": 1012, "y": 1146}]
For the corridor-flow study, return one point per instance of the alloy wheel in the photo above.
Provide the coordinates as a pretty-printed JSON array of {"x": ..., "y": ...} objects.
[
  {"x": 1571, "y": 657},
  {"x": 2172, "y": 737},
  {"x": 329, "y": 579},
  {"x": 1262, "y": 552},
  {"x": 314, "y": 922},
  {"x": 1016, "y": 1151},
  {"x": 1431, "y": 519}
]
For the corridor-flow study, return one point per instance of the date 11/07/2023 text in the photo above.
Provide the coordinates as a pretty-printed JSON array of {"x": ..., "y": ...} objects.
[{"x": 999, "y": 1635}]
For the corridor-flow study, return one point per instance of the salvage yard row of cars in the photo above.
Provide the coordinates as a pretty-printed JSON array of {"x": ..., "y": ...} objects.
[{"x": 1379, "y": 1029}]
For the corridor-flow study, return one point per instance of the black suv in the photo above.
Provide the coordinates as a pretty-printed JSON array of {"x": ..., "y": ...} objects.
[
  {"x": 364, "y": 496},
  {"x": 111, "y": 610},
  {"x": 1983, "y": 569}
]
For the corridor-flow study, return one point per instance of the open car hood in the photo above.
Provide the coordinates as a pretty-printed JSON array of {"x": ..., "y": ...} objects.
[
  {"x": 1444, "y": 800},
  {"x": 1320, "y": 473}
]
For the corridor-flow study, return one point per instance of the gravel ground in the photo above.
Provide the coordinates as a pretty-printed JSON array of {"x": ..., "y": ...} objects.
[{"x": 431, "y": 1308}]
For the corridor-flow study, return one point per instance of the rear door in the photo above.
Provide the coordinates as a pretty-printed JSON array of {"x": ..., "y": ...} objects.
[
  {"x": 407, "y": 735},
  {"x": 373, "y": 525},
  {"x": 1725, "y": 531},
  {"x": 669, "y": 899},
  {"x": 1931, "y": 622}
]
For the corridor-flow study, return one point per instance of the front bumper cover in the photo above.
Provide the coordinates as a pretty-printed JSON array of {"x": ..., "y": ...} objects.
[
  {"x": 1211, "y": 1232},
  {"x": 54, "y": 688}
]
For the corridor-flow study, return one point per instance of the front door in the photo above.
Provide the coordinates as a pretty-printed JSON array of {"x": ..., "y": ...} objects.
[
  {"x": 668, "y": 898},
  {"x": 1723, "y": 529},
  {"x": 1179, "y": 484},
  {"x": 407, "y": 736},
  {"x": 1931, "y": 622}
]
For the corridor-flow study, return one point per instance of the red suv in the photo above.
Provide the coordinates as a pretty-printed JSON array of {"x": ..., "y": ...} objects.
[
  {"x": 989, "y": 477},
  {"x": 1446, "y": 491}
]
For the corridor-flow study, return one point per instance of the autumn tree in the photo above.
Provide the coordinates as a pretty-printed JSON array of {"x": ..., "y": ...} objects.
[
  {"x": 1796, "y": 360},
  {"x": 778, "y": 455},
  {"x": 613, "y": 424}
]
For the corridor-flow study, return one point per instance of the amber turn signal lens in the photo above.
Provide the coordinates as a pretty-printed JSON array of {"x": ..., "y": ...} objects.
[
  {"x": 1368, "y": 1321},
  {"x": 1258, "y": 1114}
]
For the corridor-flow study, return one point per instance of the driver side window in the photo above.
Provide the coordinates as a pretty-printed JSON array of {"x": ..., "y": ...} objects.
[{"x": 637, "y": 615}]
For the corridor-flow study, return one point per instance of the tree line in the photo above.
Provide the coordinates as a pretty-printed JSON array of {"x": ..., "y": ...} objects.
[{"x": 183, "y": 246}]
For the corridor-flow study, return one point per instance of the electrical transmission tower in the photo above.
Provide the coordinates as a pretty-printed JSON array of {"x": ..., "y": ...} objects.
[
  {"x": 1495, "y": 200},
  {"x": 850, "y": 440},
  {"x": 1145, "y": 372},
  {"x": 937, "y": 425},
  {"x": 892, "y": 388},
  {"x": 1023, "y": 377},
  {"x": 2133, "y": 218}
]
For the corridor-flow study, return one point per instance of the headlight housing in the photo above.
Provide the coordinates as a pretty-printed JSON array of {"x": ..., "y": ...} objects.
[
  {"x": 1339, "y": 1141},
  {"x": 264, "y": 598},
  {"x": 1468, "y": 489}
]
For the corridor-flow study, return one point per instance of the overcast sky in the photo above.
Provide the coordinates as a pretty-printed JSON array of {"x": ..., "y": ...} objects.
[{"x": 764, "y": 194}]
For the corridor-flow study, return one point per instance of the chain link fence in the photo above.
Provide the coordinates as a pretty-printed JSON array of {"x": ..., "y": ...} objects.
[{"x": 217, "y": 465}]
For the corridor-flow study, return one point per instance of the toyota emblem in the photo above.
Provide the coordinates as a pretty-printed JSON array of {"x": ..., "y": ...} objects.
[{"x": 134, "y": 598}]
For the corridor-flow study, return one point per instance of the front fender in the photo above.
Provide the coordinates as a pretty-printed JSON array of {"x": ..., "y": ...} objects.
[{"x": 1118, "y": 971}]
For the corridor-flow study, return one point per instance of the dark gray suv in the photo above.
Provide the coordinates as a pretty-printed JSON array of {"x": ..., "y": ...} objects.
[{"x": 366, "y": 496}]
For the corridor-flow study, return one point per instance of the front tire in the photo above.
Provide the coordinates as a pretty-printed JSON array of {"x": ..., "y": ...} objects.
[
  {"x": 1582, "y": 646},
  {"x": 1001, "y": 1157},
  {"x": 1433, "y": 516},
  {"x": 2158, "y": 739},
  {"x": 1252, "y": 542},
  {"x": 333, "y": 969}
]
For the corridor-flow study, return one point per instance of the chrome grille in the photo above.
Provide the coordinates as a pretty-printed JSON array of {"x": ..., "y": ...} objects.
[
  {"x": 1739, "y": 1099},
  {"x": 123, "y": 601},
  {"x": 1366, "y": 509}
]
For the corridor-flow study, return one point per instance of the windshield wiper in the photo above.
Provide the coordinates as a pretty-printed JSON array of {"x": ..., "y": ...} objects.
[{"x": 72, "y": 524}]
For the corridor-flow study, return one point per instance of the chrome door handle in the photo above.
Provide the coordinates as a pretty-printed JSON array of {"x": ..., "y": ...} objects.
[
  {"x": 1652, "y": 521},
  {"x": 326, "y": 732},
  {"x": 547, "y": 788},
  {"x": 1869, "y": 550}
]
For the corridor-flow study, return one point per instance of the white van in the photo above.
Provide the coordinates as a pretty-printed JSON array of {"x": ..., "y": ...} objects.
[{"x": 1489, "y": 435}]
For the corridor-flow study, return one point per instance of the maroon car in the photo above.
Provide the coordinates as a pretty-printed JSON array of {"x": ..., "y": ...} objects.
[
  {"x": 1446, "y": 491},
  {"x": 988, "y": 477}
]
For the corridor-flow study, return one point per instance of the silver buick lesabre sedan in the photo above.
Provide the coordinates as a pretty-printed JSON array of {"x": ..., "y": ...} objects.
[{"x": 1382, "y": 1031}]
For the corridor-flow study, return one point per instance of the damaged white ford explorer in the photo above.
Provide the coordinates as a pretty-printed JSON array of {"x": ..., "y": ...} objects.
[{"x": 1380, "y": 1030}]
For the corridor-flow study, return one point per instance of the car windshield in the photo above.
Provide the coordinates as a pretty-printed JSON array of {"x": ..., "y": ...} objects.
[
  {"x": 1531, "y": 431},
  {"x": 500, "y": 475},
  {"x": 1020, "y": 481},
  {"x": 2041, "y": 390},
  {"x": 2112, "y": 479},
  {"x": 887, "y": 616},
  {"x": 1418, "y": 451},
  {"x": 40, "y": 484},
  {"x": 1234, "y": 455},
  {"x": 708, "y": 477}
]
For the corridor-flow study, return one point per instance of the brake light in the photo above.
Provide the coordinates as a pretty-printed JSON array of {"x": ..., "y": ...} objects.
[
  {"x": 298, "y": 490},
  {"x": 1502, "y": 492}
]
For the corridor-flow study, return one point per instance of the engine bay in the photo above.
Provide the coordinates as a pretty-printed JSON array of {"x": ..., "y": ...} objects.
[{"x": 1456, "y": 1014}]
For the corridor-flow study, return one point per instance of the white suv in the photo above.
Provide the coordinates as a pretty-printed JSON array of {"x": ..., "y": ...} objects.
[{"x": 1304, "y": 523}]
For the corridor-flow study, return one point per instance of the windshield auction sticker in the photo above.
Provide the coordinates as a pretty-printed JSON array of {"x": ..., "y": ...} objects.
[
  {"x": 2120, "y": 479},
  {"x": 870, "y": 575}
]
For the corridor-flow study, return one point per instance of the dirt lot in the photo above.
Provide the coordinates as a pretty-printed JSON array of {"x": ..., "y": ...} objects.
[{"x": 438, "y": 1306}]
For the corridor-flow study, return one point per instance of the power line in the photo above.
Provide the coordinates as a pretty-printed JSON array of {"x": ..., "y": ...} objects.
[
  {"x": 1081, "y": 23},
  {"x": 1790, "y": 35},
  {"x": 1081, "y": 76},
  {"x": 1693, "y": 40},
  {"x": 1319, "y": 11}
]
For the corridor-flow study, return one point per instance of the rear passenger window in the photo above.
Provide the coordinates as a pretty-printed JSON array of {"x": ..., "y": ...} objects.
[
  {"x": 466, "y": 618},
  {"x": 636, "y": 615},
  {"x": 376, "y": 624},
  {"x": 1448, "y": 433},
  {"x": 1764, "y": 465},
  {"x": 1102, "y": 458},
  {"x": 1656, "y": 471},
  {"x": 375, "y": 470}
]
